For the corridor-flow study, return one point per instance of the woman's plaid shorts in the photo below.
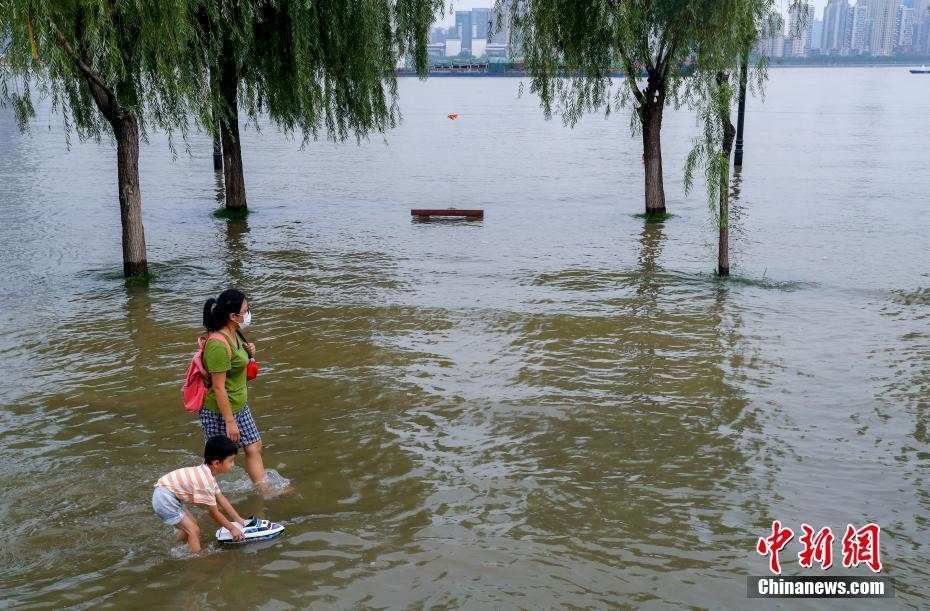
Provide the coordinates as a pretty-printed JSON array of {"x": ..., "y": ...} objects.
[{"x": 213, "y": 424}]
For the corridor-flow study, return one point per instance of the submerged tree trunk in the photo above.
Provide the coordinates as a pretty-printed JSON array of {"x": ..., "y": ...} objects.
[
  {"x": 723, "y": 243},
  {"x": 229, "y": 133},
  {"x": 126, "y": 132},
  {"x": 651, "y": 116},
  {"x": 130, "y": 196}
]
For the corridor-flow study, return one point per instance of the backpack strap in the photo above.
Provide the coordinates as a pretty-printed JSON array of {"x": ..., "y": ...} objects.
[
  {"x": 219, "y": 336},
  {"x": 245, "y": 343}
]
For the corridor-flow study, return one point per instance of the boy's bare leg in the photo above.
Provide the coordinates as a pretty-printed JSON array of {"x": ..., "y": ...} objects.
[
  {"x": 190, "y": 531},
  {"x": 255, "y": 466},
  {"x": 181, "y": 535}
]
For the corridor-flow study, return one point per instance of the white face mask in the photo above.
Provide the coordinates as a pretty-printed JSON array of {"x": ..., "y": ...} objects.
[{"x": 246, "y": 320}]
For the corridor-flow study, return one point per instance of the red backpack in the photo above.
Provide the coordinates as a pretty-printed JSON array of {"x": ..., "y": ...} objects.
[{"x": 197, "y": 380}]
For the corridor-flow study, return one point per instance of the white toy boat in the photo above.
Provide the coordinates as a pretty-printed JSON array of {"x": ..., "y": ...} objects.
[{"x": 255, "y": 530}]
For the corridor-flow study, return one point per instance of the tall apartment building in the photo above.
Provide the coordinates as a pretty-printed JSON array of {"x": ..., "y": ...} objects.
[
  {"x": 500, "y": 23},
  {"x": 469, "y": 37},
  {"x": 837, "y": 28},
  {"x": 772, "y": 38},
  {"x": 800, "y": 26},
  {"x": 904, "y": 30},
  {"x": 480, "y": 22},
  {"x": 463, "y": 27},
  {"x": 884, "y": 15},
  {"x": 861, "y": 42},
  {"x": 817, "y": 35},
  {"x": 922, "y": 26}
]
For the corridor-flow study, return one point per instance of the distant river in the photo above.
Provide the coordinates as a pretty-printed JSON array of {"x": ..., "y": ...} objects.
[{"x": 556, "y": 406}]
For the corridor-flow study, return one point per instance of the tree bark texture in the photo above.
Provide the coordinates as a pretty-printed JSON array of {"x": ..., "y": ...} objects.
[
  {"x": 229, "y": 133},
  {"x": 723, "y": 243},
  {"x": 651, "y": 117},
  {"x": 130, "y": 196},
  {"x": 126, "y": 131}
]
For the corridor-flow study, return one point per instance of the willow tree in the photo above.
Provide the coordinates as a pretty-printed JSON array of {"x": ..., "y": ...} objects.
[
  {"x": 571, "y": 47},
  {"x": 310, "y": 67},
  {"x": 722, "y": 67},
  {"x": 111, "y": 68}
]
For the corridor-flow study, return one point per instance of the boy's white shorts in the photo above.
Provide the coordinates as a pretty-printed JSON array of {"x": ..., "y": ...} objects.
[{"x": 167, "y": 506}]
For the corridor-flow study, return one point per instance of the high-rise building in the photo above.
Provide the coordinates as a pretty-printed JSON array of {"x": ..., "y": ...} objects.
[
  {"x": 883, "y": 14},
  {"x": 500, "y": 23},
  {"x": 772, "y": 39},
  {"x": 463, "y": 26},
  {"x": 480, "y": 22},
  {"x": 473, "y": 29},
  {"x": 837, "y": 28},
  {"x": 816, "y": 35},
  {"x": 922, "y": 26},
  {"x": 862, "y": 28},
  {"x": 800, "y": 27},
  {"x": 904, "y": 30}
]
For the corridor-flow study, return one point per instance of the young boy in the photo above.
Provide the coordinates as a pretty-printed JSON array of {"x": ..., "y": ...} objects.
[{"x": 198, "y": 485}]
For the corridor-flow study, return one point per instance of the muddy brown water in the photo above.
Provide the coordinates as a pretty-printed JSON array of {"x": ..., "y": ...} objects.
[{"x": 556, "y": 406}]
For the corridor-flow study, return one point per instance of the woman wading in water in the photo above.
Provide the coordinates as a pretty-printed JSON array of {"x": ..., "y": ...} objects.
[{"x": 225, "y": 356}]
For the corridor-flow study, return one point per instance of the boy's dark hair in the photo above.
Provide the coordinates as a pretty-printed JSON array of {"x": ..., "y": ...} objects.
[
  {"x": 218, "y": 448},
  {"x": 216, "y": 311}
]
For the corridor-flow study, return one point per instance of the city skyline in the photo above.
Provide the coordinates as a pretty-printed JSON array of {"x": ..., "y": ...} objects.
[
  {"x": 448, "y": 17},
  {"x": 864, "y": 28}
]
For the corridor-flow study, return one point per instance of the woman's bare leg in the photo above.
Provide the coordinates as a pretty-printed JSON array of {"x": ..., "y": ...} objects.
[{"x": 255, "y": 466}]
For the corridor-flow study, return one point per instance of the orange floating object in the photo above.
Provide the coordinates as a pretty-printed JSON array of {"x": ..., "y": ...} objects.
[{"x": 453, "y": 115}]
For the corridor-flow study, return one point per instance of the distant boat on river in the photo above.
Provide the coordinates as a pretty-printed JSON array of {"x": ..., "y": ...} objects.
[{"x": 921, "y": 70}]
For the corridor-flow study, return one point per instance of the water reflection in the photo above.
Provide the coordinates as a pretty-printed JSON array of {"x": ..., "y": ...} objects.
[
  {"x": 737, "y": 207},
  {"x": 650, "y": 251},
  {"x": 909, "y": 364},
  {"x": 141, "y": 327},
  {"x": 633, "y": 429},
  {"x": 236, "y": 252},
  {"x": 219, "y": 188}
]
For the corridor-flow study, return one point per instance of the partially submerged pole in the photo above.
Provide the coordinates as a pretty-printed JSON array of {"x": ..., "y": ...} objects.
[
  {"x": 217, "y": 154},
  {"x": 741, "y": 114}
]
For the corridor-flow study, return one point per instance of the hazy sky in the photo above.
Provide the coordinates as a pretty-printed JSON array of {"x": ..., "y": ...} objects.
[{"x": 464, "y": 5}]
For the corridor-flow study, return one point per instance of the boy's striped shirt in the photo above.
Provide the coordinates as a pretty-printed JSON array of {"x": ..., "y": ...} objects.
[{"x": 192, "y": 485}]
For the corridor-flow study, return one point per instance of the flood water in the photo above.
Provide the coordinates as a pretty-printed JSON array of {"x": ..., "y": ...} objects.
[{"x": 557, "y": 406}]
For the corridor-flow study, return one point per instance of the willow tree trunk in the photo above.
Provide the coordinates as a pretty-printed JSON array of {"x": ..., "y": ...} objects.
[
  {"x": 651, "y": 116},
  {"x": 229, "y": 134},
  {"x": 126, "y": 130},
  {"x": 723, "y": 243}
]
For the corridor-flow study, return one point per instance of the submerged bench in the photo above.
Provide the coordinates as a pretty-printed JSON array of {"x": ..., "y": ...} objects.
[{"x": 447, "y": 212}]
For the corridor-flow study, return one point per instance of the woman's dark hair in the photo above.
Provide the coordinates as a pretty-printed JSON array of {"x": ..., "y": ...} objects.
[
  {"x": 218, "y": 448},
  {"x": 216, "y": 311}
]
